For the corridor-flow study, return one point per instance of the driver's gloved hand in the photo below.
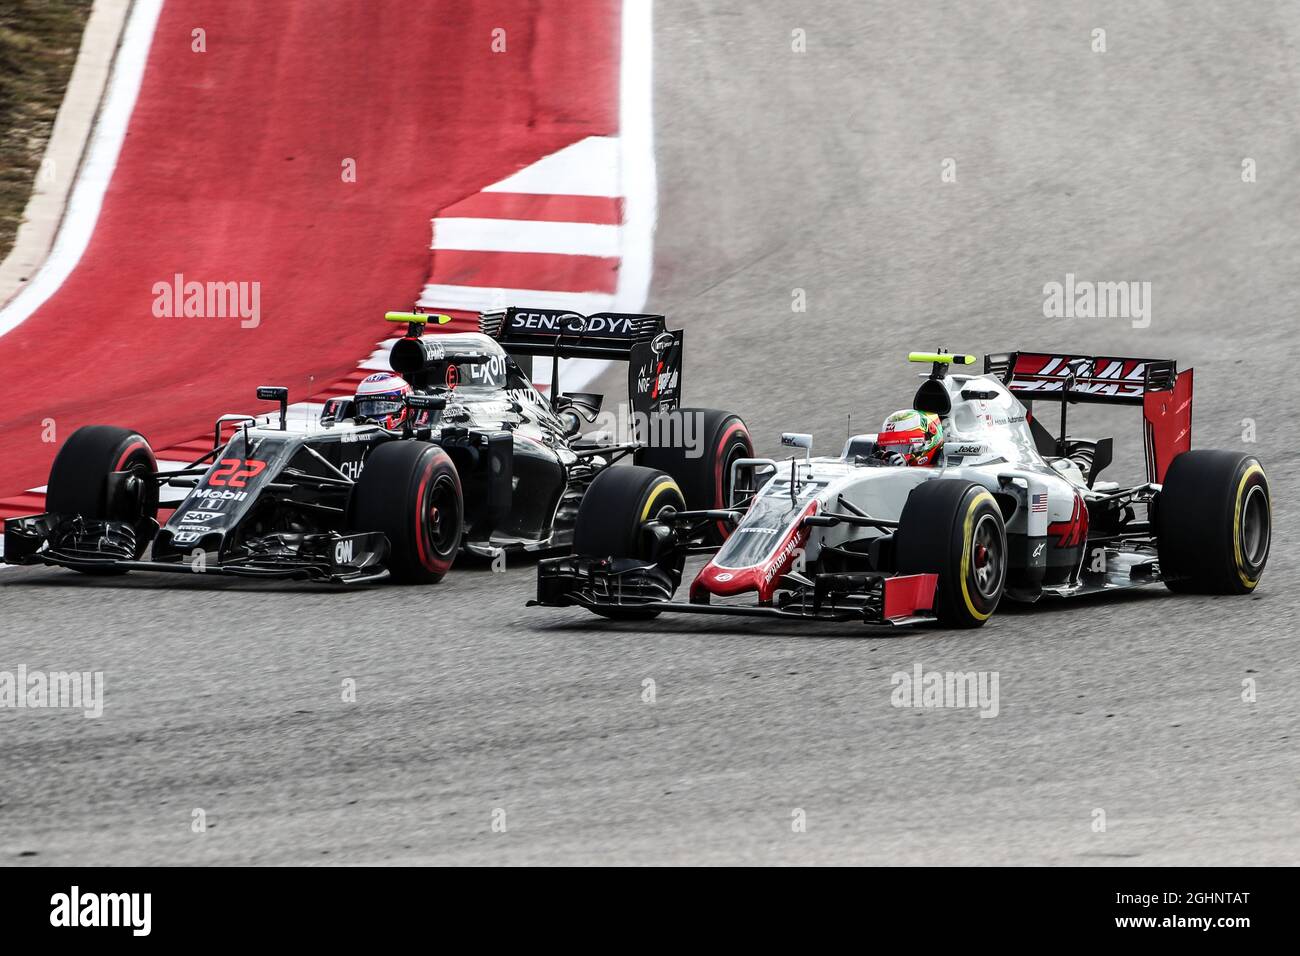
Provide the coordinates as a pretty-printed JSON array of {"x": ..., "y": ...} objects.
[{"x": 892, "y": 458}]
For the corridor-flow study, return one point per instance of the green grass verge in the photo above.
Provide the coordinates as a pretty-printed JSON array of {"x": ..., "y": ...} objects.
[{"x": 39, "y": 40}]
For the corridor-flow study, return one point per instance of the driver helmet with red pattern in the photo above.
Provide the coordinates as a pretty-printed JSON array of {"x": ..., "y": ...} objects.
[{"x": 913, "y": 436}]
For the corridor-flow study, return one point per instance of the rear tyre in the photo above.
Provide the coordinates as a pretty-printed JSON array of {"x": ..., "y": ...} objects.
[
  {"x": 103, "y": 473},
  {"x": 410, "y": 491},
  {"x": 611, "y": 517},
  {"x": 1213, "y": 520},
  {"x": 703, "y": 472},
  {"x": 954, "y": 529}
]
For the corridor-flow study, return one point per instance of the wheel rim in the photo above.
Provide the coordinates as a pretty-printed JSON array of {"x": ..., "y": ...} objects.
[
  {"x": 988, "y": 558},
  {"x": 442, "y": 516},
  {"x": 1255, "y": 526},
  {"x": 139, "y": 494}
]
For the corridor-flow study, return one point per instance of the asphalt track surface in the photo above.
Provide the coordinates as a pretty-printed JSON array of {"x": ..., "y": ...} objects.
[{"x": 778, "y": 171}]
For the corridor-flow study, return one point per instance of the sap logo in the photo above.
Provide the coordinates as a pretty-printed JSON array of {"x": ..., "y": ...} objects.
[
  {"x": 211, "y": 494},
  {"x": 198, "y": 517},
  {"x": 343, "y": 551}
]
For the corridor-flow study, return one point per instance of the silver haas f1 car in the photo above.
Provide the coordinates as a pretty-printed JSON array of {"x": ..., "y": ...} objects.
[{"x": 963, "y": 501}]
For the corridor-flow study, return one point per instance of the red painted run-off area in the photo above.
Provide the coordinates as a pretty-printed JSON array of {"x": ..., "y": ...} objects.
[{"x": 231, "y": 171}]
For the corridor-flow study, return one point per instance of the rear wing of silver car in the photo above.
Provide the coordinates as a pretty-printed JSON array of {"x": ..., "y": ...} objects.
[{"x": 1156, "y": 385}]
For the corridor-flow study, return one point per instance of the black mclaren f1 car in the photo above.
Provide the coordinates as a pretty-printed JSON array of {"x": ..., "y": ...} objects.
[{"x": 477, "y": 460}]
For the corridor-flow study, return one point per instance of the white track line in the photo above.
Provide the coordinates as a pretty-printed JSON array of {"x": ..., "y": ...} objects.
[
  {"x": 472, "y": 298},
  {"x": 526, "y": 235},
  {"x": 589, "y": 167},
  {"x": 637, "y": 155},
  {"x": 92, "y": 180}
]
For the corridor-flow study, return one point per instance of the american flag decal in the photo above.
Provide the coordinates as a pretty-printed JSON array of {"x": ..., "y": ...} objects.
[{"x": 1038, "y": 503}]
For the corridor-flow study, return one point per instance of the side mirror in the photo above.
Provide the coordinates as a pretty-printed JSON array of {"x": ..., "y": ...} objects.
[
  {"x": 276, "y": 393},
  {"x": 426, "y": 402}
]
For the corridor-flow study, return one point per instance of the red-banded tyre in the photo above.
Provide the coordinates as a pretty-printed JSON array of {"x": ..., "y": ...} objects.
[
  {"x": 954, "y": 529},
  {"x": 697, "y": 447},
  {"x": 410, "y": 491},
  {"x": 103, "y": 472},
  {"x": 611, "y": 521},
  {"x": 1214, "y": 524}
]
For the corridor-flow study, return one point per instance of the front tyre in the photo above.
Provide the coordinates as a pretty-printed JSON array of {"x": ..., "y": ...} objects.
[
  {"x": 954, "y": 529},
  {"x": 106, "y": 473},
  {"x": 611, "y": 522},
  {"x": 410, "y": 491},
  {"x": 1213, "y": 519}
]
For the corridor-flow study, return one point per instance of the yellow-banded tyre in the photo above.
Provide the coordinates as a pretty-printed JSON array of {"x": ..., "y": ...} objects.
[
  {"x": 702, "y": 469},
  {"x": 612, "y": 516},
  {"x": 1213, "y": 519},
  {"x": 954, "y": 529}
]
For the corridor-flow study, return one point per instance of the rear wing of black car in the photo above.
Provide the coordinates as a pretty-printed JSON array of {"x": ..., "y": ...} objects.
[
  {"x": 1156, "y": 385},
  {"x": 643, "y": 340}
]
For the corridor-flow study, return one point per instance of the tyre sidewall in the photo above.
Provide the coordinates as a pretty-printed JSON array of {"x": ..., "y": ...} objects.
[
  {"x": 394, "y": 496},
  {"x": 616, "y": 505},
  {"x": 1199, "y": 522},
  {"x": 704, "y": 480},
  {"x": 936, "y": 536},
  {"x": 80, "y": 482}
]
